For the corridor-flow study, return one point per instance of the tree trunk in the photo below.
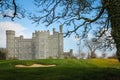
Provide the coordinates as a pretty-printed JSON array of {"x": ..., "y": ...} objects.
[
  {"x": 114, "y": 16},
  {"x": 93, "y": 55}
]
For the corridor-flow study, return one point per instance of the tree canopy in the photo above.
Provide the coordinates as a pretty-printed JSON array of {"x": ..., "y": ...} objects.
[{"x": 73, "y": 13}]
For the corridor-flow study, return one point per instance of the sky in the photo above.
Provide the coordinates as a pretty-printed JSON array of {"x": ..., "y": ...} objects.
[{"x": 25, "y": 27}]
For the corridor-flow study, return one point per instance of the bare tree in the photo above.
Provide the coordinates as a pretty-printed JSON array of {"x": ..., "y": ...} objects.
[
  {"x": 92, "y": 46},
  {"x": 3, "y": 53},
  {"x": 77, "y": 13},
  {"x": 104, "y": 55},
  {"x": 113, "y": 56}
]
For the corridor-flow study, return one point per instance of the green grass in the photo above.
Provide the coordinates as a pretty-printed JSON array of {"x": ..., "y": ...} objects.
[{"x": 65, "y": 69}]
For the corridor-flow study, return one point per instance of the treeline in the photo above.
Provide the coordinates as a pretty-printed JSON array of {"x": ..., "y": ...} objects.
[{"x": 3, "y": 53}]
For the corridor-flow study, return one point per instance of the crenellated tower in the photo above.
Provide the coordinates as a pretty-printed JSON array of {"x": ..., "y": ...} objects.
[
  {"x": 10, "y": 35},
  {"x": 40, "y": 43},
  {"x": 60, "y": 43}
]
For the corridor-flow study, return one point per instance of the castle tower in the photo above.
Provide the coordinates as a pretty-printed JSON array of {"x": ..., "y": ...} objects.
[
  {"x": 60, "y": 39},
  {"x": 41, "y": 44},
  {"x": 61, "y": 28},
  {"x": 10, "y": 35},
  {"x": 33, "y": 45}
]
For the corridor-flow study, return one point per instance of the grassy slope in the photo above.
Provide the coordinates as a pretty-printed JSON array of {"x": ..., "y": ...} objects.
[{"x": 69, "y": 69}]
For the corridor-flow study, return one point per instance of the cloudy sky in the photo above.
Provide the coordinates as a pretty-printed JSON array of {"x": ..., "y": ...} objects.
[{"x": 7, "y": 25}]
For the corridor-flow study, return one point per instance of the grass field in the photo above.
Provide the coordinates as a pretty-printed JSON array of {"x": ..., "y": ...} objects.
[{"x": 65, "y": 69}]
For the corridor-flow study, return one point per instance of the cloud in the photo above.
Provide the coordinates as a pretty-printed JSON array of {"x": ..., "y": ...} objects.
[
  {"x": 90, "y": 36},
  {"x": 9, "y": 26},
  {"x": 9, "y": 12}
]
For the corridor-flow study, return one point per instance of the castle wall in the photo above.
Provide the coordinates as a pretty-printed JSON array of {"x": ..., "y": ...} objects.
[
  {"x": 17, "y": 50},
  {"x": 25, "y": 49}
]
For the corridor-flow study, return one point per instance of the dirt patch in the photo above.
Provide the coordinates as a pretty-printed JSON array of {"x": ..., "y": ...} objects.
[{"x": 35, "y": 65}]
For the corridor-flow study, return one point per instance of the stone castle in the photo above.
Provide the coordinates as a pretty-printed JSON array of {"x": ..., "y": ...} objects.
[{"x": 42, "y": 45}]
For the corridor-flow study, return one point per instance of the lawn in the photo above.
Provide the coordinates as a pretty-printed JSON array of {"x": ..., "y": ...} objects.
[{"x": 65, "y": 69}]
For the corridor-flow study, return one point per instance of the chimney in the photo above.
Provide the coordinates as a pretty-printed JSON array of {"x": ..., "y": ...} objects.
[{"x": 54, "y": 30}]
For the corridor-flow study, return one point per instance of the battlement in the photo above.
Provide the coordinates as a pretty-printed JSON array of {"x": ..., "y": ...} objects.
[
  {"x": 10, "y": 32},
  {"x": 41, "y": 31}
]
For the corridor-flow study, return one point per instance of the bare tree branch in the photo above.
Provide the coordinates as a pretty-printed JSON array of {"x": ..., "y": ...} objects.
[
  {"x": 11, "y": 5},
  {"x": 68, "y": 13}
]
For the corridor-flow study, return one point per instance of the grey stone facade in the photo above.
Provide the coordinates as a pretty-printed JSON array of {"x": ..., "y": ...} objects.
[{"x": 42, "y": 45}]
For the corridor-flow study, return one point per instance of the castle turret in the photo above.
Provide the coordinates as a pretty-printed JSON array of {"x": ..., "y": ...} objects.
[
  {"x": 54, "y": 30},
  {"x": 41, "y": 44},
  {"x": 60, "y": 41},
  {"x": 61, "y": 28},
  {"x": 10, "y": 35},
  {"x": 21, "y": 37}
]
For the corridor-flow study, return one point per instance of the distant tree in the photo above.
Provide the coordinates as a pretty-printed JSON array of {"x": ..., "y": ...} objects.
[
  {"x": 3, "y": 53},
  {"x": 113, "y": 56},
  {"x": 92, "y": 46},
  {"x": 104, "y": 55},
  {"x": 77, "y": 13}
]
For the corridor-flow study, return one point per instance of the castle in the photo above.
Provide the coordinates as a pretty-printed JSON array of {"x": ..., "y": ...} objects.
[{"x": 42, "y": 45}]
